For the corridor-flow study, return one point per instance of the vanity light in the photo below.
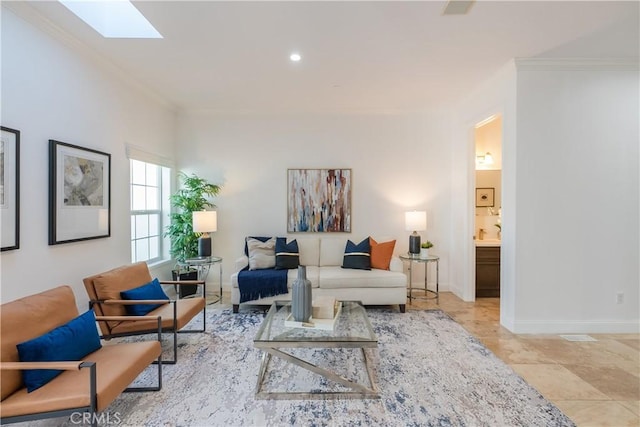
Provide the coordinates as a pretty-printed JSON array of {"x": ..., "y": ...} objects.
[{"x": 295, "y": 57}]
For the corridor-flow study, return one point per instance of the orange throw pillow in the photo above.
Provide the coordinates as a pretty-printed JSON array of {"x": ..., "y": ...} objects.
[{"x": 381, "y": 253}]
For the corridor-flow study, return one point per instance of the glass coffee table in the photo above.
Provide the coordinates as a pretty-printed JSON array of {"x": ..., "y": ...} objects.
[{"x": 352, "y": 330}]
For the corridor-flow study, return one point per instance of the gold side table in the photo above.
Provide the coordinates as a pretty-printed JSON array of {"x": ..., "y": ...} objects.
[{"x": 411, "y": 259}]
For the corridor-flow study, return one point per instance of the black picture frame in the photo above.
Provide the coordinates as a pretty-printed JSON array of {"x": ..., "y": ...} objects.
[
  {"x": 485, "y": 197},
  {"x": 10, "y": 188},
  {"x": 79, "y": 193}
]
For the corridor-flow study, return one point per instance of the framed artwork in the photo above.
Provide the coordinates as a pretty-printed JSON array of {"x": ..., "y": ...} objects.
[
  {"x": 484, "y": 197},
  {"x": 79, "y": 193},
  {"x": 319, "y": 200},
  {"x": 10, "y": 188}
]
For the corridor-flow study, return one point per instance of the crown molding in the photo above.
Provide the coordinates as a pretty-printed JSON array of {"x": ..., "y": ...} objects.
[
  {"x": 577, "y": 64},
  {"x": 32, "y": 16}
]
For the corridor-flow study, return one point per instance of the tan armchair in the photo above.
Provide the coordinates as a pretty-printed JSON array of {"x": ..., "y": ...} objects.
[
  {"x": 104, "y": 294},
  {"x": 88, "y": 385}
]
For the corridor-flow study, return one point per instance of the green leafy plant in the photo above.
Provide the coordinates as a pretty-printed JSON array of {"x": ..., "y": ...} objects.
[
  {"x": 193, "y": 196},
  {"x": 426, "y": 245}
]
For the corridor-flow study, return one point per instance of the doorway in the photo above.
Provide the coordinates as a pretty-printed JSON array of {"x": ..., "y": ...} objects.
[{"x": 488, "y": 204}]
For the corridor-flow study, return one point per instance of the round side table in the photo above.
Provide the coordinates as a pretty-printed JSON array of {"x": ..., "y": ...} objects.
[{"x": 411, "y": 259}]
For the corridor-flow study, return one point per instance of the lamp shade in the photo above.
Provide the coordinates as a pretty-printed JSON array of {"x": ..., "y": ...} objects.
[
  {"x": 415, "y": 220},
  {"x": 205, "y": 221}
]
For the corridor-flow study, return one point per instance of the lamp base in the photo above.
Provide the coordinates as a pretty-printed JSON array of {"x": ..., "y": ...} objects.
[
  {"x": 414, "y": 243},
  {"x": 204, "y": 246}
]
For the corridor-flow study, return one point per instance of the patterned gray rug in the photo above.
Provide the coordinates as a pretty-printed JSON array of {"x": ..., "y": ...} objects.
[{"x": 429, "y": 370}]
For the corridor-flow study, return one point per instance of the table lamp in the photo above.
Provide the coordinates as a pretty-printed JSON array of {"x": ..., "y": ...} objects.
[
  {"x": 415, "y": 221},
  {"x": 205, "y": 222}
]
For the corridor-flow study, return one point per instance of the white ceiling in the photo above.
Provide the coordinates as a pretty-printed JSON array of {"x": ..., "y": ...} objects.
[{"x": 356, "y": 56}]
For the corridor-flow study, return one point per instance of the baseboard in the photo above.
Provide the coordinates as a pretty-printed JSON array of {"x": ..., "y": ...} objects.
[{"x": 576, "y": 326}]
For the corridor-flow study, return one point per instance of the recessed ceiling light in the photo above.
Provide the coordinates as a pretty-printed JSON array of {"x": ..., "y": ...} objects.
[
  {"x": 113, "y": 18},
  {"x": 295, "y": 57}
]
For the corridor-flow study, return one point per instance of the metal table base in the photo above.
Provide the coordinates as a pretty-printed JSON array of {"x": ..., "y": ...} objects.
[{"x": 357, "y": 390}]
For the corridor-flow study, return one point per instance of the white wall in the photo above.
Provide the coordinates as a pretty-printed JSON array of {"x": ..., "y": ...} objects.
[
  {"x": 50, "y": 91},
  {"x": 577, "y": 196},
  {"x": 398, "y": 163}
]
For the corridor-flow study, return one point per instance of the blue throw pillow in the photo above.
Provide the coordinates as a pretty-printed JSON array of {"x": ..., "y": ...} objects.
[
  {"x": 69, "y": 342},
  {"x": 357, "y": 256},
  {"x": 151, "y": 290},
  {"x": 287, "y": 254}
]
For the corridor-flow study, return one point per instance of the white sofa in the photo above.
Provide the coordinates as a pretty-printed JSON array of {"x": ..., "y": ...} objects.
[{"x": 323, "y": 258}]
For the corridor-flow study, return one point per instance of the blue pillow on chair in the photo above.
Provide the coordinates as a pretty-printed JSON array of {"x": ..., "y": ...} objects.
[
  {"x": 357, "y": 256},
  {"x": 151, "y": 290},
  {"x": 69, "y": 342}
]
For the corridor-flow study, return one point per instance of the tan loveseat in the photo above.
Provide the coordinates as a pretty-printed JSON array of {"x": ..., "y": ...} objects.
[
  {"x": 323, "y": 257},
  {"x": 86, "y": 386}
]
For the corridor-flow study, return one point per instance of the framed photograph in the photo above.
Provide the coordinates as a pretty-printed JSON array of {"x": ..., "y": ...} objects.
[
  {"x": 79, "y": 193},
  {"x": 318, "y": 200},
  {"x": 10, "y": 188},
  {"x": 485, "y": 197}
]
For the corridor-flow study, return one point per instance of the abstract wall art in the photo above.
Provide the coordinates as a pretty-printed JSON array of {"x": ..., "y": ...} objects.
[
  {"x": 319, "y": 200},
  {"x": 79, "y": 193}
]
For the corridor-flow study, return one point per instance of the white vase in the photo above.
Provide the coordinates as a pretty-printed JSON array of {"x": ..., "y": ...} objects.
[{"x": 424, "y": 253}]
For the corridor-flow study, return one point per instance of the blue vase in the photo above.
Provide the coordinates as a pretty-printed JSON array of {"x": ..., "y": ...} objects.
[{"x": 301, "y": 300}]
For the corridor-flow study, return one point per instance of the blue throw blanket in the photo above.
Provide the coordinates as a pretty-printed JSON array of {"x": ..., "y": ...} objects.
[{"x": 256, "y": 284}]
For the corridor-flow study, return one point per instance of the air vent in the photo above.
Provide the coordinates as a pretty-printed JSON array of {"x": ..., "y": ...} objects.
[{"x": 457, "y": 7}]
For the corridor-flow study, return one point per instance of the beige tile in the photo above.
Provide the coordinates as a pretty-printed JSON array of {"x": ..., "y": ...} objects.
[
  {"x": 599, "y": 353},
  {"x": 515, "y": 351},
  {"x": 616, "y": 383},
  {"x": 633, "y": 406},
  {"x": 598, "y": 413},
  {"x": 555, "y": 382},
  {"x": 484, "y": 328},
  {"x": 630, "y": 342}
]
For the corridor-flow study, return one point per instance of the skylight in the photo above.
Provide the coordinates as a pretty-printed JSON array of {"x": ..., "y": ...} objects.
[{"x": 113, "y": 18}]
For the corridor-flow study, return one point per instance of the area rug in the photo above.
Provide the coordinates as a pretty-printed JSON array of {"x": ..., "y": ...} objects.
[{"x": 429, "y": 370}]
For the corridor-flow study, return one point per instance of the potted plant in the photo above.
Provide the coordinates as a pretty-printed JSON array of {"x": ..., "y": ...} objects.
[
  {"x": 192, "y": 196},
  {"x": 424, "y": 249}
]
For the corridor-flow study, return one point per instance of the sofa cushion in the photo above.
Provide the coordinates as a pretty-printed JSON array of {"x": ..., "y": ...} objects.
[
  {"x": 357, "y": 256},
  {"x": 332, "y": 251},
  {"x": 68, "y": 342},
  {"x": 337, "y": 278},
  {"x": 309, "y": 251},
  {"x": 381, "y": 254},
  {"x": 261, "y": 254},
  {"x": 152, "y": 290},
  {"x": 287, "y": 254}
]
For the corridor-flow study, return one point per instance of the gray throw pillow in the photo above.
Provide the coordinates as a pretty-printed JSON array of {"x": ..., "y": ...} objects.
[{"x": 261, "y": 254}]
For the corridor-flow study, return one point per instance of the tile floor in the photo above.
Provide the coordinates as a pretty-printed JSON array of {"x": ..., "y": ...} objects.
[{"x": 595, "y": 383}]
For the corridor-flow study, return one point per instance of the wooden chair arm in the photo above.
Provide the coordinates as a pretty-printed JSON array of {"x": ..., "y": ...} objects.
[
  {"x": 182, "y": 282},
  {"x": 125, "y": 318},
  {"x": 19, "y": 366}
]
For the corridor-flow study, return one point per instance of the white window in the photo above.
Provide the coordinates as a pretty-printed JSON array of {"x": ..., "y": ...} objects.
[{"x": 149, "y": 211}]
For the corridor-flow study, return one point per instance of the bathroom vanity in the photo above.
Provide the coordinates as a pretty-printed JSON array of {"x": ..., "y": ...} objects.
[{"x": 487, "y": 268}]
